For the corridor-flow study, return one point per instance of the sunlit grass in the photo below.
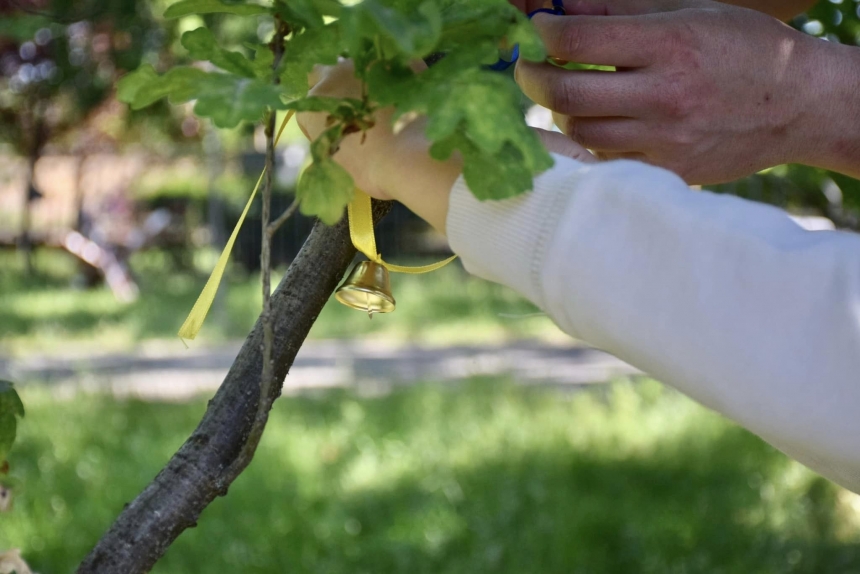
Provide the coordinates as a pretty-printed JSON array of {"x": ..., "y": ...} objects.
[{"x": 479, "y": 477}]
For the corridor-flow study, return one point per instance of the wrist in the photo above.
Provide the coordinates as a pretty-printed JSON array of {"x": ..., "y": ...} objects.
[{"x": 830, "y": 133}]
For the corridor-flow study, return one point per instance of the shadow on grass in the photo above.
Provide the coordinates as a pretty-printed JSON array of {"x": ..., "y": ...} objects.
[{"x": 480, "y": 477}]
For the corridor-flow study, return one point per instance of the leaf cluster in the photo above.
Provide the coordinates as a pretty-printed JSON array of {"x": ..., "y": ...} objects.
[{"x": 469, "y": 109}]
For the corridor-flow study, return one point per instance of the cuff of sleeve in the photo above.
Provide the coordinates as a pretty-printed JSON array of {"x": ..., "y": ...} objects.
[{"x": 505, "y": 241}]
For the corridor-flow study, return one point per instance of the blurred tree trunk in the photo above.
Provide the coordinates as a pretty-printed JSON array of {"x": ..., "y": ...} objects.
[
  {"x": 35, "y": 132},
  {"x": 25, "y": 243},
  {"x": 89, "y": 275},
  {"x": 79, "y": 192}
]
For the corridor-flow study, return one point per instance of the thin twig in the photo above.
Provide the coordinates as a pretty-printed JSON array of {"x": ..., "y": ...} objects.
[
  {"x": 276, "y": 224},
  {"x": 267, "y": 377},
  {"x": 266, "y": 270},
  {"x": 267, "y": 380}
]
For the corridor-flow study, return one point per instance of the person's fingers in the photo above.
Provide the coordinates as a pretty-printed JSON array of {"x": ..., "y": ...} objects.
[
  {"x": 559, "y": 143},
  {"x": 586, "y": 8},
  {"x": 589, "y": 93},
  {"x": 620, "y": 135},
  {"x": 529, "y": 6},
  {"x": 628, "y": 7},
  {"x": 627, "y": 41},
  {"x": 590, "y": 7}
]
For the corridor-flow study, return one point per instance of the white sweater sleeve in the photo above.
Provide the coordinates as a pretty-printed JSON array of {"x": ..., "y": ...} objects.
[{"x": 727, "y": 300}]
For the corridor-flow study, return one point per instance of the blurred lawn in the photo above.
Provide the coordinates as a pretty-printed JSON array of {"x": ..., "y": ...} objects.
[
  {"x": 479, "y": 477},
  {"x": 447, "y": 306}
]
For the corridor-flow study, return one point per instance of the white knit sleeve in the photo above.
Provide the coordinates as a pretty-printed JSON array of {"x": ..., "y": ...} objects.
[{"x": 727, "y": 300}]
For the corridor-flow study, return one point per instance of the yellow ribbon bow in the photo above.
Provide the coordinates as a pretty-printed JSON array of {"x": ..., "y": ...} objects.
[{"x": 360, "y": 231}]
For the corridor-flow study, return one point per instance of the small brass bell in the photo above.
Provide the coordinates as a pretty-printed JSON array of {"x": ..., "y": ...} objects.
[{"x": 367, "y": 288}]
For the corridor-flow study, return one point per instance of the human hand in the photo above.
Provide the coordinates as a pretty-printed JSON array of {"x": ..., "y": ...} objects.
[
  {"x": 713, "y": 93},
  {"x": 609, "y": 7},
  {"x": 782, "y": 9}
]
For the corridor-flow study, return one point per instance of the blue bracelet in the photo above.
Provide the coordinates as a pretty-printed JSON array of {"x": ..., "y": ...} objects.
[{"x": 557, "y": 9}]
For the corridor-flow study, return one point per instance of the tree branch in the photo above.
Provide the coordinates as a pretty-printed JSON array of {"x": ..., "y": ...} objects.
[
  {"x": 213, "y": 456},
  {"x": 288, "y": 212}
]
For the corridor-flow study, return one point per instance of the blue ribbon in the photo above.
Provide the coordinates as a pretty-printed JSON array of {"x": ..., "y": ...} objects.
[{"x": 557, "y": 9}]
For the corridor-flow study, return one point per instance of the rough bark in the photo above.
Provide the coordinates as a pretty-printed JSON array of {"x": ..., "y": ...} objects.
[{"x": 223, "y": 443}]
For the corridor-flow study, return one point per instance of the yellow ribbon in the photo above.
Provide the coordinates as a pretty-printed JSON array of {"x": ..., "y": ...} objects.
[
  {"x": 361, "y": 233},
  {"x": 198, "y": 313}
]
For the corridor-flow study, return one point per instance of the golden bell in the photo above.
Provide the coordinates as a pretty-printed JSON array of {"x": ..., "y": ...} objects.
[{"x": 367, "y": 288}]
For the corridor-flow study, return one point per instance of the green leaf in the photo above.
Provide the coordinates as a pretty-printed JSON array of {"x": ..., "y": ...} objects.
[
  {"x": 324, "y": 191},
  {"x": 331, "y": 8},
  {"x": 300, "y": 12},
  {"x": 304, "y": 51},
  {"x": 464, "y": 107},
  {"x": 500, "y": 175},
  {"x": 226, "y": 98},
  {"x": 531, "y": 46},
  {"x": 326, "y": 143},
  {"x": 405, "y": 35},
  {"x": 262, "y": 62},
  {"x": 476, "y": 98},
  {"x": 10, "y": 402},
  {"x": 129, "y": 85},
  {"x": 230, "y": 100},
  {"x": 325, "y": 187},
  {"x": 144, "y": 86},
  {"x": 450, "y": 95},
  {"x": 467, "y": 25},
  {"x": 186, "y": 7},
  {"x": 11, "y": 408},
  {"x": 201, "y": 45}
]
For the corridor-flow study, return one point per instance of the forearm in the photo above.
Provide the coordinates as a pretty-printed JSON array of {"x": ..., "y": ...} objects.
[
  {"x": 783, "y": 9},
  {"x": 726, "y": 300},
  {"x": 832, "y": 123}
]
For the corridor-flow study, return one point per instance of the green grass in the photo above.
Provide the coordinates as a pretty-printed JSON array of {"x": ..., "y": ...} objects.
[
  {"x": 479, "y": 477},
  {"x": 45, "y": 312}
]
